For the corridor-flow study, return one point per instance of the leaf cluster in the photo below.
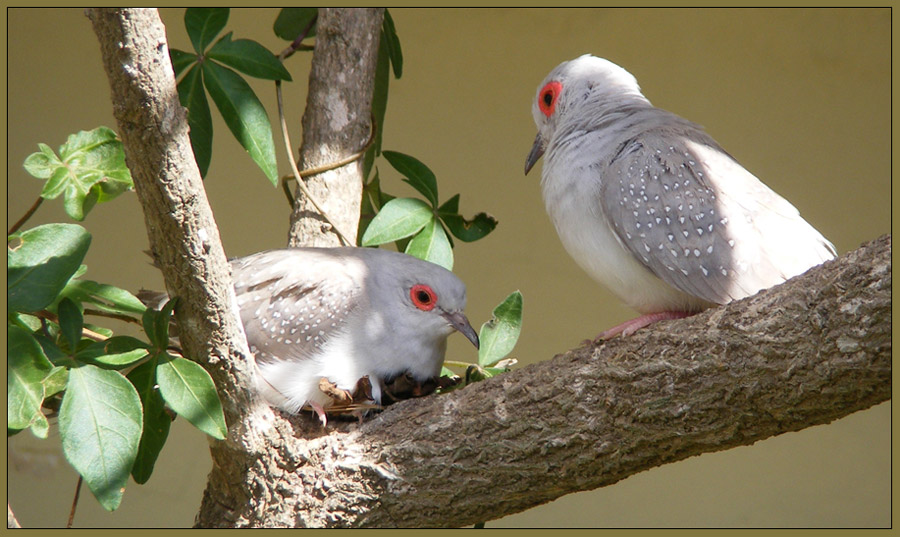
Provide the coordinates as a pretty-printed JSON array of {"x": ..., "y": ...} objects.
[
  {"x": 210, "y": 68},
  {"x": 115, "y": 396}
]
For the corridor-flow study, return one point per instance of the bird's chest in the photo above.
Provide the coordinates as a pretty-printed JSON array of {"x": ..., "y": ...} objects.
[{"x": 571, "y": 192}]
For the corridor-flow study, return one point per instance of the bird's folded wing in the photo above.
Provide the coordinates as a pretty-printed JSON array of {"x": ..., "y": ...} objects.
[
  {"x": 664, "y": 202},
  {"x": 292, "y": 304}
]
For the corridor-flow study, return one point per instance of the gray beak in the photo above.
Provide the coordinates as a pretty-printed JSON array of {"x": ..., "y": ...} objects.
[
  {"x": 536, "y": 151},
  {"x": 458, "y": 321}
]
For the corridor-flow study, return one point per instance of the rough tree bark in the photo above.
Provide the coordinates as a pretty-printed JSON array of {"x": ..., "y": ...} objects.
[
  {"x": 800, "y": 354},
  {"x": 183, "y": 235},
  {"x": 336, "y": 123},
  {"x": 184, "y": 238}
]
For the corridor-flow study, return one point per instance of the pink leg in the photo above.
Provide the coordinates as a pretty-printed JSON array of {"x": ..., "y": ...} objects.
[
  {"x": 320, "y": 411},
  {"x": 629, "y": 327}
]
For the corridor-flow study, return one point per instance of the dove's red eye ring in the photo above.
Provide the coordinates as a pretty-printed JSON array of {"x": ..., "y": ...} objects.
[
  {"x": 423, "y": 297},
  {"x": 548, "y": 97}
]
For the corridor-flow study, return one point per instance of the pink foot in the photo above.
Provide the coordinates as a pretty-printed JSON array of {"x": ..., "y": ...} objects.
[{"x": 629, "y": 327}]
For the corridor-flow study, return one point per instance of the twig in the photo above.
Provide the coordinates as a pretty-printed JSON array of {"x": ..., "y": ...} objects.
[
  {"x": 297, "y": 44},
  {"x": 74, "y": 503},
  {"x": 99, "y": 313},
  {"x": 27, "y": 215},
  {"x": 86, "y": 332}
]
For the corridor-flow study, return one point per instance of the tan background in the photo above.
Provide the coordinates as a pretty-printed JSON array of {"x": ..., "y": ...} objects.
[{"x": 801, "y": 97}]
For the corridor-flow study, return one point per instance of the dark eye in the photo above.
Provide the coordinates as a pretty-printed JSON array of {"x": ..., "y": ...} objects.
[
  {"x": 423, "y": 297},
  {"x": 548, "y": 97}
]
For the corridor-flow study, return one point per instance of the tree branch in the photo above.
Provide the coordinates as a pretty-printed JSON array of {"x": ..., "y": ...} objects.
[
  {"x": 337, "y": 122},
  {"x": 801, "y": 354},
  {"x": 183, "y": 235}
]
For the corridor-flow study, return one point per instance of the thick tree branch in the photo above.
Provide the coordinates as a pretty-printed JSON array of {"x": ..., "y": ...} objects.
[
  {"x": 337, "y": 122},
  {"x": 183, "y": 235},
  {"x": 801, "y": 354}
]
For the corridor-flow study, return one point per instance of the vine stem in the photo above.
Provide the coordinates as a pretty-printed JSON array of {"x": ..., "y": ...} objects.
[
  {"x": 299, "y": 177},
  {"x": 27, "y": 215},
  {"x": 297, "y": 174}
]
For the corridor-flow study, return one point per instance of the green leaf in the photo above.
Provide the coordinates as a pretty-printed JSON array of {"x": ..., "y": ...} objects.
[
  {"x": 399, "y": 218},
  {"x": 90, "y": 169},
  {"x": 193, "y": 97},
  {"x": 114, "y": 353},
  {"x": 379, "y": 105},
  {"x": 40, "y": 261},
  {"x": 431, "y": 244},
  {"x": 292, "y": 21},
  {"x": 189, "y": 390},
  {"x": 103, "y": 297},
  {"x": 100, "y": 423},
  {"x": 43, "y": 165},
  {"x": 416, "y": 174},
  {"x": 203, "y": 25},
  {"x": 26, "y": 370},
  {"x": 244, "y": 115},
  {"x": 156, "y": 420},
  {"x": 451, "y": 206},
  {"x": 461, "y": 228},
  {"x": 393, "y": 43},
  {"x": 499, "y": 335},
  {"x": 469, "y": 230},
  {"x": 71, "y": 321},
  {"x": 156, "y": 324},
  {"x": 181, "y": 60},
  {"x": 248, "y": 57},
  {"x": 55, "y": 381}
]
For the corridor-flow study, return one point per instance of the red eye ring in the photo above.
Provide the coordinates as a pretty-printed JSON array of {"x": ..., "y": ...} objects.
[
  {"x": 423, "y": 297},
  {"x": 548, "y": 96}
]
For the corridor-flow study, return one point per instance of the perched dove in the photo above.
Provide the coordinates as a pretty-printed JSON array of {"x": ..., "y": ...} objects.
[
  {"x": 343, "y": 314},
  {"x": 651, "y": 206}
]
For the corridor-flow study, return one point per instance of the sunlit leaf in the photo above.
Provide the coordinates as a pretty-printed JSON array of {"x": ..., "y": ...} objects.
[
  {"x": 399, "y": 218},
  {"x": 244, "y": 115},
  {"x": 499, "y": 335},
  {"x": 431, "y": 244},
  {"x": 26, "y": 369},
  {"x": 100, "y": 423},
  {"x": 90, "y": 169},
  {"x": 40, "y": 261},
  {"x": 189, "y": 390}
]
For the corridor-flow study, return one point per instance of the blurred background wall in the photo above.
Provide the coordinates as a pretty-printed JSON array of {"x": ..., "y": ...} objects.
[{"x": 801, "y": 97}]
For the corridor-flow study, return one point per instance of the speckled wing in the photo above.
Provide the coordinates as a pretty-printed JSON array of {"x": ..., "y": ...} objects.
[
  {"x": 691, "y": 222},
  {"x": 292, "y": 301}
]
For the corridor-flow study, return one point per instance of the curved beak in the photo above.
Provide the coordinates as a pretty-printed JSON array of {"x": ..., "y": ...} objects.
[
  {"x": 459, "y": 321},
  {"x": 536, "y": 151}
]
